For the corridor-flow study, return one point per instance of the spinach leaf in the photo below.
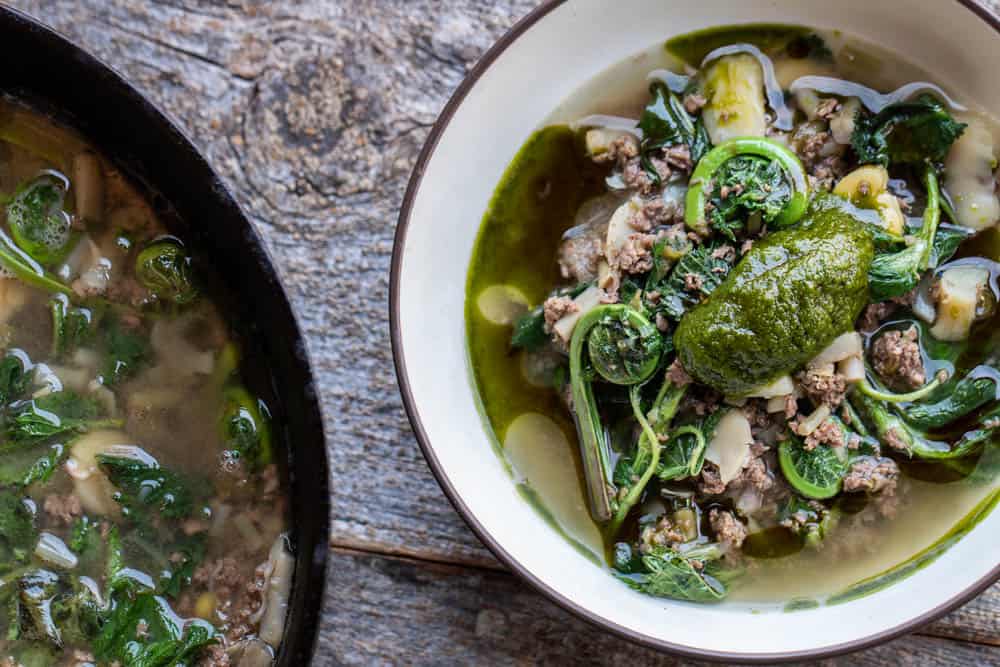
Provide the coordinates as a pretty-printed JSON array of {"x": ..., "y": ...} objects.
[
  {"x": 815, "y": 473},
  {"x": 126, "y": 352},
  {"x": 960, "y": 398},
  {"x": 908, "y": 132},
  {"x": 664, "y": 122},
  {"x": 246, "y": 429},
  {"x": 15, "y": 377},
  {"x": 26, "y": 465},
  {"x": 707, "y": 264},
  {"x": 693, "y": 575},
  {"x": 946, "y": 242},
  {"x": 54, "y": 414},
  {"x": 17, "y": 528},
  {"x": 145, "y": 487},
  {"x": 71, "y": 325},
  {"x": 684, "y": 454},
  {"x": 744, "y": 186},
  {"x": 165, "y": 640}
]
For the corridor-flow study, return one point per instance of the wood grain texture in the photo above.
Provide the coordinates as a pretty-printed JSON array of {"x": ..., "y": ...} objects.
[
  {"x": 389, "y": 610},
  {"x": 314, "y": 111}
]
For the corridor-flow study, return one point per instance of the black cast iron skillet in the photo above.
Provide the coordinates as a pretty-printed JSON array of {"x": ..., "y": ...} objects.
[{"x": 52, "y": 75}]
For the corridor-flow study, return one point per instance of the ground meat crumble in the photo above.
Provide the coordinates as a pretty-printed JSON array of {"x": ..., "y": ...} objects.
[
  {"x": 823, "y": 388},
  {"x": 64, "y": 509},
  {"x": 872, "y": 474},
  {"x": 897, "y": 360},
  {"x": 729, "y": 530},
  {"x": 661, "y": 534},
  {"x": 557, "y": 307}
]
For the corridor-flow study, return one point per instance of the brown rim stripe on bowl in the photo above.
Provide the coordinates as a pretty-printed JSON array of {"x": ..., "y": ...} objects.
[{"x": 456, "y": 100}]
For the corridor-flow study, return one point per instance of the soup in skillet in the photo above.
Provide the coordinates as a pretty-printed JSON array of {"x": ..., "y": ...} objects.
[
  {"x": 732, "y": 317},
  {"x": 142, "y": 514}
]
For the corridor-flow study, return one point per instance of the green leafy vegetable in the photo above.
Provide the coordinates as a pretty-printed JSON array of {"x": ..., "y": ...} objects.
[
  {"x": 16, "y": 375},
  {"x": 37, "y": 221},
  {"x": 164, "y": 268},
  {"x": 33, "y": 464},
  {"x": 946, "y": 242},
  {"x": 968, "y": 394},
  {"x": 707, "y": 265},
  {"x": 896, "y": 435},
  {"x": 665, "y": 122},
  {"x": 594, "y": 448},
  {"x": 52, "y": 415},
  {"x": 245, "y": 427},
  {"x": 684, "y": 453},
  {"x": 755, "y": 157},
  {"x": 745, "y": 186},
  {"x": 695, "y": 575},
  {"x": 815, "y": 473},
  {"x": 917, "y": 131},
  {"x": 17, "y": 528},
  {"x": 895, "y": 274},
  {"x": 71, "y": 325},
  {"x": 646, "y": 459},
  {"x": 143, "y": 486},
  {"x": 127, "y": 350},
  {"x": 163, "y": 640}
]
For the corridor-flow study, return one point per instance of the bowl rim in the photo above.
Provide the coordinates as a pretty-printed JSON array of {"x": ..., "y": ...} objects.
[
  {"x": 304, "y": 613},
  {"x": 402, "y": 378}
]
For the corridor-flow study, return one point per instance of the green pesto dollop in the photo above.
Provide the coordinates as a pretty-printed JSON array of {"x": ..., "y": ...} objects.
[{"x": 788, "y": 298}]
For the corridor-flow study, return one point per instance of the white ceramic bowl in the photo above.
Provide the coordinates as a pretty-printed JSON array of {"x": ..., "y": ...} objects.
[{"x": 516, "y": 85}]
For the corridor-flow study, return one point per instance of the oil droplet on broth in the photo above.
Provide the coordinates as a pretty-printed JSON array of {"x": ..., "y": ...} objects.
[{"x": 539, "y": 451}]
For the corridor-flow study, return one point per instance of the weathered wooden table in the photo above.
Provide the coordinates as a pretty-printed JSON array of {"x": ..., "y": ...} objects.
[{"x": 314, "y": 111}]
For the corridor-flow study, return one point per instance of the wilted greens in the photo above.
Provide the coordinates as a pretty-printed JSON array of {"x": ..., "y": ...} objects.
[
  {"x": 779, "y": 359},
  {"x": 140, "y": 501}
]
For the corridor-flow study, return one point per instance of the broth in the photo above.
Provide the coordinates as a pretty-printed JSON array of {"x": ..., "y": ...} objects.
[
  {"x": 143, "y": 510},
  {"x": 536, "y": 202}
]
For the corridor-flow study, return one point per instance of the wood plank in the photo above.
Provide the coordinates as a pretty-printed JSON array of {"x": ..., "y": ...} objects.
[
  {"x": 387, "y": 610},
  {"x": 313, "y": 112}
]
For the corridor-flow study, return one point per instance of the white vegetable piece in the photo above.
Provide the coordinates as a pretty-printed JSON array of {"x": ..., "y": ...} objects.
[
  {"x": 852, "y": 368},
  {"x": 842, "y": 122},
  {"x": 969, "y": 176},
  {"x": 734, "y": 88},
  {"x": 783, "y": 386},
  {"x": 599, "y": 140},
  {"x": 586, "y": 301},
  {"x": 958, "y": 295},
  {"x": 844, "y": 346},
  {"x": 54, "y": 551},
  {"x": 502, "y": 304},
  {"x": 89, "y": 483},
  {"x": 276, "y": 592},
  {"x": 813, "y": 421},
  {"x": 729, "y": 448},
  {"x": 776, "y": 404},
  {"x": 619, "y": 229}
]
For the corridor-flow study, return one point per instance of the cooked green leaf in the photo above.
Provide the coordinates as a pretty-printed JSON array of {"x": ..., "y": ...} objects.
[
  {"x": 690, "y": 576},
  {"x": 917, "y": 131},
  {"x": 815, "y": 473}
]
